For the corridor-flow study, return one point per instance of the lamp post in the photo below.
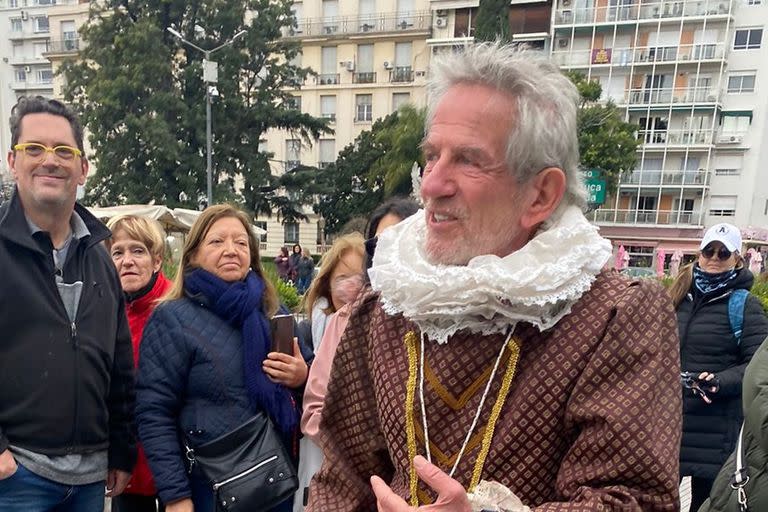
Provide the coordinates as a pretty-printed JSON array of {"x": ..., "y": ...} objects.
[{"x": 210, "y": 76}]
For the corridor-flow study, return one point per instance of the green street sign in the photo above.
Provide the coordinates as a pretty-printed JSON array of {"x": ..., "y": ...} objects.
[
  {"x": 595, "y": 191},
  {"x": 592, "y": 174}
]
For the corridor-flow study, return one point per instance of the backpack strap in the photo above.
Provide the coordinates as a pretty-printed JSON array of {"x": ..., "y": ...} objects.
[{"x": 736, "y": 303}]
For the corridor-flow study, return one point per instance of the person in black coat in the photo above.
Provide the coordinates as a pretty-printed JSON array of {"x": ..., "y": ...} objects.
[{"x": 713, "y": 354}]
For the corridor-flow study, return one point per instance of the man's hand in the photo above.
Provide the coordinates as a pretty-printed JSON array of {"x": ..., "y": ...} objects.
[
  {"x": 709, "y": 382},
  {"x": 290, "y": 371},
  {"x": 183, "y": 505},
  {"x": 7, "y": 465},
  {"x": 116, "y": 482},
  {"x": 451, "y": 496}
]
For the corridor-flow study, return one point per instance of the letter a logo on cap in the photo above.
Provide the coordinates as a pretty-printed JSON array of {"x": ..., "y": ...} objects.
[{"x": 723, "y": 229}]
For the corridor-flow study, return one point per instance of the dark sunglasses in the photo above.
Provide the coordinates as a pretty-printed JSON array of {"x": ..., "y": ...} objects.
[{"x": 723, "y": 254}]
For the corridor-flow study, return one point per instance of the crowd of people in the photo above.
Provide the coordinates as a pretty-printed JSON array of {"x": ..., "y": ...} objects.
[{"x": 472, "y": 353}]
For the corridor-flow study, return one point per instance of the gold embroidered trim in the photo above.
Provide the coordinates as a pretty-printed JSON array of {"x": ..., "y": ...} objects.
[{"x": 410, "y": 424}]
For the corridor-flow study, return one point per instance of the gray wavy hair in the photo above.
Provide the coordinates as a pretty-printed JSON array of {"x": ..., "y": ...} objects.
[{"x": 544, "y": 133}]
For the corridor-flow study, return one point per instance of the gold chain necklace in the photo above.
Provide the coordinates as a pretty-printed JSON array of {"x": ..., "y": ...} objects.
[{"x": 410, "y": 423}]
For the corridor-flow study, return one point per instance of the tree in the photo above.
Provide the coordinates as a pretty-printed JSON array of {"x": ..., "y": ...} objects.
[
  {"x": 492, "y": 21},
  {"x": 375, "y": 166},
  {"x": 141, "y": 96},
  {"x": 606, "y": 141}
]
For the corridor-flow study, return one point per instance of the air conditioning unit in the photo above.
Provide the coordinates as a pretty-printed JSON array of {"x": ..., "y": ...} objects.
[
  {"x": 350, "y": 65},
  {"x": 711, "y": 98},
  {"x": 388, "y": 64},
  {"x": 566, "y": 3},
  {"x": 562, "y": 43},
  {"x": 441, "y": 22},
  {"x": 27, "y": 69},
  {"x": 730, "y": 139},
  {"x": 24, "y": 15},
  {"x": 441, "y": 13}
]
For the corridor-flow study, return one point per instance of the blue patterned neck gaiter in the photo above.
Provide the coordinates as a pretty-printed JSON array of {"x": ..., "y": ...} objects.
[{"x": 707, "y": 283}]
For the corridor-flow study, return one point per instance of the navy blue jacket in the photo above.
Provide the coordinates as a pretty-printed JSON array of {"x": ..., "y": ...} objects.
[
  {"x": 707, "y": 344},
  {"x": 190, "y": 383}
]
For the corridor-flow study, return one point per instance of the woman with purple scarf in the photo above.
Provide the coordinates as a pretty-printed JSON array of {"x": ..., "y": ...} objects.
[
  {"x": 721, "y": 326},
  {"x": 206, "y": 366}
]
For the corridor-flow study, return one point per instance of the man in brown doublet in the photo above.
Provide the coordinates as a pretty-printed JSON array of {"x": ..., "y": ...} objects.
[{"x": 505, "y": 343}]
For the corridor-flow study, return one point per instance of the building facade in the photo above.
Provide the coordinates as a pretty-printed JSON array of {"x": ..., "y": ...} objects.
[{"x": 689, "y": 74}]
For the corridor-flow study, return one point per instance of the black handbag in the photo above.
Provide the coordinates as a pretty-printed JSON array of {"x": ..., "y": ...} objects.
[{"x": 248, "y": 468}]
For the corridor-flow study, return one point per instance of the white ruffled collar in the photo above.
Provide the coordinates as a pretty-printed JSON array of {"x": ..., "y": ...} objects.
[{"x": 537, "y": 284}]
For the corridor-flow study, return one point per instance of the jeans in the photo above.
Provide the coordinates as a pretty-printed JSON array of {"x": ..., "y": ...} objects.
[
  {"x": 303, "y": 284},
  {"x": 25, "y": 491}
]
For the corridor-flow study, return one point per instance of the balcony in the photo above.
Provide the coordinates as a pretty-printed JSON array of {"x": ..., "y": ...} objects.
[
  {"x": 651, "y": 55},
  {"x": 401, "y": 74},
  {"x": 367, "y": 77},
  {"x": 420, "y": 21},
  {"x": 327, "y": 79},
  {"x": 30, "y": 85},
  {"x": 659, "y": 139},
  {"x": 667, "y": 96},
  {"x": 27, "y": 60},
  {"x": 652, "y": 217},
  {"x": 63, "y": 47},
  {"x": 642, "y": 11},
  {"x": 29, "y": 34},
  {"x": 667, "y": 178}
]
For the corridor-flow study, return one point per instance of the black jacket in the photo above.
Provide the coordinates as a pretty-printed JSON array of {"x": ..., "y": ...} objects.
[
  {"x": 65, "y": 387},
  {"x": 707, "y": 344}
]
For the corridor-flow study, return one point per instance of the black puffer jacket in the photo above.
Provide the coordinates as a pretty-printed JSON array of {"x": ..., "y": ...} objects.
[{"x": 707, "y": 344}]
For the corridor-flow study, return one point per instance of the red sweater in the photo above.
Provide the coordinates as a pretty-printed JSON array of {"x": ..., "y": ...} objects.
[{"x": 138, "y": 312}]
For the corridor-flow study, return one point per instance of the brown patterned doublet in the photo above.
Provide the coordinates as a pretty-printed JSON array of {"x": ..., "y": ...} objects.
[{"x": 591, "y": 422}]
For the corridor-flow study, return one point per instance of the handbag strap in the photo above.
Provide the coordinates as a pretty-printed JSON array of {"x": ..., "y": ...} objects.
[{"x": 740, "y": 477}]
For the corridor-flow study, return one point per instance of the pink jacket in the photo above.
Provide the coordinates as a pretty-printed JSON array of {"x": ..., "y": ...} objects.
[{"x": 320, "y": 371}]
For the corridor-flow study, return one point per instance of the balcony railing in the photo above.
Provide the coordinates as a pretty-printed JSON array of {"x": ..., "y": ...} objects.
[
  {"x": 367, "y": 77},
  {"x": 633, "y": 216},
  {"x": 680, "y": 54},
  {"x": 652, "y": 96},
  {"x": 345, "y": 25},
  {"x": 674, "y": 178},
  {"x": 327, "y": 79},
  {"x": 651, "y": 138},
  {"x": 64, "y": 46},
  {"x": 641, "y": 11},
  {"x": 401, "y": 74}
]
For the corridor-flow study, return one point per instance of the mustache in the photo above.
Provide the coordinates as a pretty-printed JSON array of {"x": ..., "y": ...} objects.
[{"x": 444, "y": 209}]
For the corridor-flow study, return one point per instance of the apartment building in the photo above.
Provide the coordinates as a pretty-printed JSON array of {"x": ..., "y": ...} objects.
[
  {"x": 689, "y": 73},
  {"x": 370, "y": 57}
]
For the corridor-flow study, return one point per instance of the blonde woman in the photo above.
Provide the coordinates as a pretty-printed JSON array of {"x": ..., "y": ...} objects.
[{"x": 713, "y": 354}]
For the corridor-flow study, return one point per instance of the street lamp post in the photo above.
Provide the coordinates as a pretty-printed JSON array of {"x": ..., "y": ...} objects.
[{"x": 210, "y": 76}]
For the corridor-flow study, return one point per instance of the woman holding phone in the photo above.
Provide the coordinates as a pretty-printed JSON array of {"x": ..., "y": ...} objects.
[{"x": 206, "y": 365}]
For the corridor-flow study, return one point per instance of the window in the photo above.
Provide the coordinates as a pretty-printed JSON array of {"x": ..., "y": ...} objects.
[
  {"x": 328, "y": 107},
  {"x": 741, "y": 83},
  {"x": 292, "y": 153},
  {"x": 722, "y": 206},
  {"x": 294, "y": 103},
  {"x": 41, "y": 24},
  {"x": 364, "y": 73},
  {"x": 45, "y": 76},
  {"x": 291, "y": 232},
  {"x": 330, "y": 15},
  {"x": 328, "y": 74},
  {"x": 748, "y": 39},
  {"x": 640, "y": 256},
  {"x": 69, "y": 34},
  {"x": 735, "y": 122},
  {"x": 727, "y": 172},
  {"x": 363, "y": 107},
  {"x": 45, "y": 2},
  {"x": 40, "y": 49},
  {"x": 366, "y": 11},
  {"x": 327, "y": 153},
  {"x": 646, "y": 203},
  {"x": 653, "y": 130},
  {"x": 686, "y": 205},
  {"x": 753, "y": 2},
  {"x": 465, "y": 22},
  {"x": 15, "y": 24},
  {"x": 399, "y": 99},
  {"x": 262, "y": 225},
  {"x": 297, "y": 9},
  {"x": 13, "y": 3},
  {"x": 20, "y": 75}
]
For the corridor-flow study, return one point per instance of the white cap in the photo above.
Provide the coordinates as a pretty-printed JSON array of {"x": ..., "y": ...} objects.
[{"x": 727, "y": 234}]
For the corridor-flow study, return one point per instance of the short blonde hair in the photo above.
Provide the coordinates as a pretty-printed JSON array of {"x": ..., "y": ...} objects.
[
  {"x": 321, "y": 284},
  {"x": 147, "y": 231}
]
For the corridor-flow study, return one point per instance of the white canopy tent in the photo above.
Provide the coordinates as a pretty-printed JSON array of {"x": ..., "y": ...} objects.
[{"x": 176, "y": 219}]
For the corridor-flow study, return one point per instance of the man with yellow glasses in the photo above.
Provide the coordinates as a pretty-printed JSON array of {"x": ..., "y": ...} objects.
[{"x": 66, "y": 362}]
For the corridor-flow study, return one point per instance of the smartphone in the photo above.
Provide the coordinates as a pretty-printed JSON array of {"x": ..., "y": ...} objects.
[{"x": 282, "y": 334}]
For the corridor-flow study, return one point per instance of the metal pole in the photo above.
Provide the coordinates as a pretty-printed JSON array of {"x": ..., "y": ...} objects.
[{"x": 208, "y": 141}]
